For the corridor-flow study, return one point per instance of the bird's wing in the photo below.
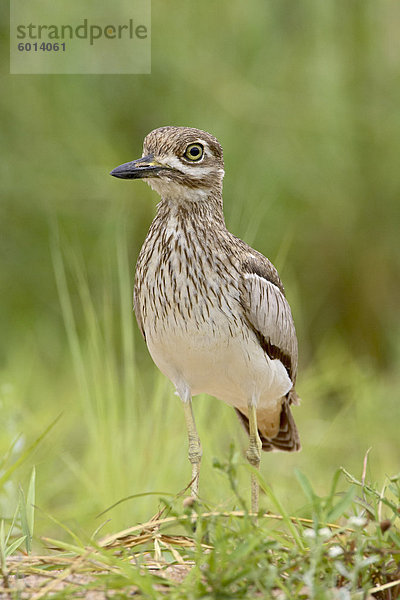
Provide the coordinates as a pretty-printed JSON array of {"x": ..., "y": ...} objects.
[{"x": 268, "y": 312}]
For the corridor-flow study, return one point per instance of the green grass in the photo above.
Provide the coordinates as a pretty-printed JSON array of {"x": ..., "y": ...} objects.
[
  {"x": 117, "y": 454},
  {"x": 340, "y": 545}
]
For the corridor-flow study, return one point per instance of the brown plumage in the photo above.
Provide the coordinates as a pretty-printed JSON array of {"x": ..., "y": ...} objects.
[{"x": 212, "y": 310}]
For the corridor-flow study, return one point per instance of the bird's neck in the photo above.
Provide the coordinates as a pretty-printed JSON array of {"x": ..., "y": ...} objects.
[{"x": 200, "y": 208}]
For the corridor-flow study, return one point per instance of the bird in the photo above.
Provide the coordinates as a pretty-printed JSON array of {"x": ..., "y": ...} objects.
[{"x": 212, "y": 310}]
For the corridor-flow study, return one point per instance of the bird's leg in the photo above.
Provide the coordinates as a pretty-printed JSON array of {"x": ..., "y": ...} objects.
[
  {"x": 254, "y": 453},
  {"x": 195, "y": 451}
]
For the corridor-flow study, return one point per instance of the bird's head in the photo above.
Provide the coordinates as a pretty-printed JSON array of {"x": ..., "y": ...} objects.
[{"x": 178, "y": 162}]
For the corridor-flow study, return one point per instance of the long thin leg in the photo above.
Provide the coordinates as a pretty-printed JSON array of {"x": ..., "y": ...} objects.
[
  {"x": 254, "y": 454},
  {"x": 195, "y": 451}
]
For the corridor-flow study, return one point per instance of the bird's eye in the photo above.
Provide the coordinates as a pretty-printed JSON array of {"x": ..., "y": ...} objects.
[{"x": 194, "y": 152}]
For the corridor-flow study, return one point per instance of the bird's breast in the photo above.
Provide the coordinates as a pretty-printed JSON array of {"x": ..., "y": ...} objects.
[
  {"x": 184, "y": 286},
  {"x": 188, "y": 299}
]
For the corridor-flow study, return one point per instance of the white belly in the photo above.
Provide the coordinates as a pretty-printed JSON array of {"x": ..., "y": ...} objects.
[{"x": 229, "y": 365}]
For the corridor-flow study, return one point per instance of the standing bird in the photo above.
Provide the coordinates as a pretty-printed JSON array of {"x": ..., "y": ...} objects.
[{"x": 211, "y": 309}]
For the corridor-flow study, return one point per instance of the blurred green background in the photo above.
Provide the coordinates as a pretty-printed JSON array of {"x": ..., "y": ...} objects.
[{"x": 304, "y": 97}]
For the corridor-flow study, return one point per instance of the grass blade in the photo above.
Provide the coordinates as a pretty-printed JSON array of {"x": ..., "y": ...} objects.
[
  {"x": 25, "y": 455},
  {"x": 340, "y": 508},
  {"x": 24, "y": 520},
  {"x": 306, "y": 486},
  {"x": 30, "y": 501}
]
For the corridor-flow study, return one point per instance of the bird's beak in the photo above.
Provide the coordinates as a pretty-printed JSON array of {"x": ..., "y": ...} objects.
[{"x": 137, "y": 169}]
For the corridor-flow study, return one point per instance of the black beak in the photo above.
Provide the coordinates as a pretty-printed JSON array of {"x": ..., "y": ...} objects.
[{"x": 136, "y": 169}]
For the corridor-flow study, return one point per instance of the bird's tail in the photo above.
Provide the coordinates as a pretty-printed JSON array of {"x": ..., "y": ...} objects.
[{"x": 287, "y": 438}]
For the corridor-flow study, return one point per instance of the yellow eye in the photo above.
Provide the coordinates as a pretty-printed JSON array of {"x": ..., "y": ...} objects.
[{"x": 194, "y": 152}]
